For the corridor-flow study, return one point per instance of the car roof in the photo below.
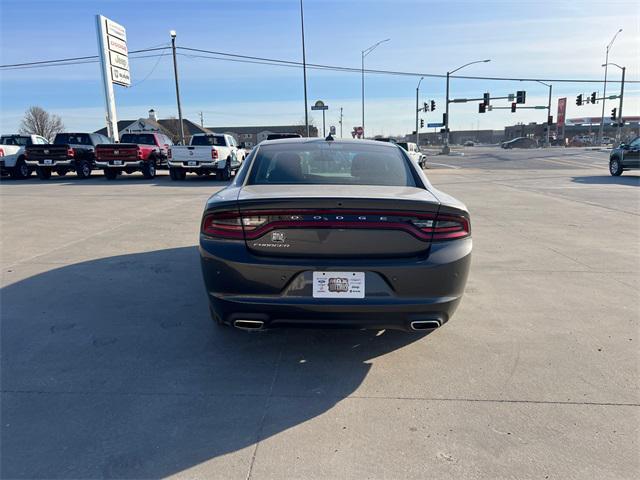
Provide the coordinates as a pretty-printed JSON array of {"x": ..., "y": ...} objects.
[{"x": 342, "y": 141}]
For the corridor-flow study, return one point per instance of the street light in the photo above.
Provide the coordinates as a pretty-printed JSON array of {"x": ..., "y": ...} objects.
[
  {"x": 304, "y": 71},
  {"x": 619, "y": 135},
  {"x": 172, "y": 33},
  {"x": 445, "y": 148},
  {"x": 417, "y": 109},
  {"x": 548, "y": 111},
  {"x": 604, "y": 93},
  {"x": 366, "y": 52}
]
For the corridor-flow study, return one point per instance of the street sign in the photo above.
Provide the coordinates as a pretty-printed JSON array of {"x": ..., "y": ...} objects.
[
  {"x": 435, "y": 125},
  {"x": 319, "y": 105},
  {"x": 332, "y": 130},
  {"x": 511, "y": 97}
]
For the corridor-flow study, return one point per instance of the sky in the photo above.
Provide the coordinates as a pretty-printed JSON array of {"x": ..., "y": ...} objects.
[{"x": 559, "y": 39}]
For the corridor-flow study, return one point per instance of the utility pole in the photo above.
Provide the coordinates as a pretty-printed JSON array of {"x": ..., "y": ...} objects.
[
  {"x": 175, "y": 73},
  {"x": 366, "y": 52},
  {"x": 304, "y": 71},
  {"x": 445, "y": 148},
  {"x": 620, "y": 107},
  {"x": 340, "y": 122},
  {"x": 417, "y": 110},
  {"x": 546, "y": 142},
  {"x": 604, "y": 93}
]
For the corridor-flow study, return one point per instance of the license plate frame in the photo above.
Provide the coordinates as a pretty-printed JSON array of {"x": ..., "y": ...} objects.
[
  {"x": 48, "y": 161},
  {"x": 192, "y": 163},
  {"x": 338, "y": 285},
  {"x": 117, "y": 162}
]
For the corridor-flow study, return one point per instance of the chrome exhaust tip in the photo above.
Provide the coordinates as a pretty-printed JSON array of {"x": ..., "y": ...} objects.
[
  {"x": 249, "y": 325},
  {"x": 420, "y": 325}
]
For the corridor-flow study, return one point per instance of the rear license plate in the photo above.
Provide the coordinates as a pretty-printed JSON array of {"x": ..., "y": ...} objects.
[
  {"x": 117, "y": 162},
  {"x": 338, "y": 284},
  {"x": 48, "y": 161},
  {"x": 192, "y": 163}
]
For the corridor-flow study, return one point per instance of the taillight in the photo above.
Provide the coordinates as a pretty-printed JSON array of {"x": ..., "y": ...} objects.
[
  {"x": 254, "y": 224},
  {"x": 139, "y": 151},
  {"x": 70, "y": 152},
  {"x": 451, "y": 227},
  {"x": 214, "y": 154},
  {"x": 223, "y": 225},
  {"x": 1, "y": 152}
]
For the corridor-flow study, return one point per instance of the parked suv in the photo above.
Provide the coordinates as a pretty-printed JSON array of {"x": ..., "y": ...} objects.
[
  {"x": 69, "y": 151},
  {"x": 142, "y": 151},
  {"x": 12, "y": 158},
  {"x": 625, "y": 157}
]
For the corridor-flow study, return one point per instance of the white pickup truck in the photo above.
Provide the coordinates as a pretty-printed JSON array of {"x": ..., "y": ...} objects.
[
  {"x": 12, "y": 158},
  {"x": 207, "y": 153}
]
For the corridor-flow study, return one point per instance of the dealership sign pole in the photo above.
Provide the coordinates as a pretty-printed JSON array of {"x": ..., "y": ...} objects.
[{"x": 114, "y": 62}]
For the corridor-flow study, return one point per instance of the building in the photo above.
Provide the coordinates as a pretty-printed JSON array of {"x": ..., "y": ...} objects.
[
  {"x": 251, "y": 136},
  {"x": 168, "y": 126}
]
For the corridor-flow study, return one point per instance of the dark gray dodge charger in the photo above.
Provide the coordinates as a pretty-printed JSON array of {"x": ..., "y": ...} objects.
[{"x": 333, "y": 233}]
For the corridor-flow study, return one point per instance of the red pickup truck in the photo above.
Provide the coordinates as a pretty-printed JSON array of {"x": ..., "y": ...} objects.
[{"x": 143, "y": 152}]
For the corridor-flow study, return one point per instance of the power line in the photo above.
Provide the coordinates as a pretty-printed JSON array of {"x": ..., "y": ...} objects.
[{"x": 226, "y": 56}]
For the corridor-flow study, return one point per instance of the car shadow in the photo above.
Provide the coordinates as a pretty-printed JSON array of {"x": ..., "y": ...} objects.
[
  {"x": 162, "y": 179},
  {"x": 624, "y": 179},
  {"x": 113, "y": 368}
]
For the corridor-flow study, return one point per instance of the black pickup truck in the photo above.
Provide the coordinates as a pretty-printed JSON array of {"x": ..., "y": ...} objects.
[{"x": 69, "y": 151}]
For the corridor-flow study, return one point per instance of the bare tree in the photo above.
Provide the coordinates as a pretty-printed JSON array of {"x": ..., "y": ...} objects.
[
  {"x": 38, "y": 121},
  {"x": 172, "y": 126},
  {"x": 301, "y": 128}
]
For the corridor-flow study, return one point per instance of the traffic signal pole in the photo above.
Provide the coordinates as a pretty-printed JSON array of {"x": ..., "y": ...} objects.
[
  {"x": 417, "y": 111},
  {"x": 620, "y": 108}
]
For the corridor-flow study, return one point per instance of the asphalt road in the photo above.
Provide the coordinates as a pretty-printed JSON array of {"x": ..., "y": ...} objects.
[{"x": 111, "y": 367}]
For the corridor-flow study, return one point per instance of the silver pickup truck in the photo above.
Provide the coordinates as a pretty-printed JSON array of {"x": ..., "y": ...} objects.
[{"x": 207, "y": 153}]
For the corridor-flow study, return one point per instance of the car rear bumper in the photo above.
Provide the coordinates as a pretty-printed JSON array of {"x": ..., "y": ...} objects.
[
  {"x": 278, "y": 292},
  {"x": 198, "y": 165},
  {"x": 123, "y": 164}
]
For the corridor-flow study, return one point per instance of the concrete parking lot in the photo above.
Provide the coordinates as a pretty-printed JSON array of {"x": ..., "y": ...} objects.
[{"x": 111, "y": 366}]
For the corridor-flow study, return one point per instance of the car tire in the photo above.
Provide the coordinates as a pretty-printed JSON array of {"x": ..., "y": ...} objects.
[
  {"x": 177, "y": 173},
  {"x": 43, "y": 173},
  {"x": 149, "y": 169},
  {"x": 615, "y": 167},
  {"x": 20, "y": 170},
  {"x": 226, "y": 173},
  {"x": 111, "y": 173},
  {"x": 83, "y": 169}
]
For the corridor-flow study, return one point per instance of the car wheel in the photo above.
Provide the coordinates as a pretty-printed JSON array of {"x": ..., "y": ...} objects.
[
  {"x": 83, "y": 169},
  {"x": 20, "y": 170},
  {"x": 149, "y": 169},
  {"x": 226, "y": 173},
  {"x": 615, "y": 167},
  {"x": 177, "y": 174},
  {"x": 111, "y": 173},
  {"x": 43, "y": 173}
]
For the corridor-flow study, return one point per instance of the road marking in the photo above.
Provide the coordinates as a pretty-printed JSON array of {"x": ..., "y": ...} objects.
[
  {"x": 445, "y": 165},
  {"x": 572, "y": 164}
]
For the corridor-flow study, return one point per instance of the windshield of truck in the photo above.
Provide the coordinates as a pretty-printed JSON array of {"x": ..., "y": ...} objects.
[
  {"x": 138, "y": 138},
  {"x": 19, "y": 141},
  {"x": 72, "y": 139},
  {"x": 214, "y": 140}
]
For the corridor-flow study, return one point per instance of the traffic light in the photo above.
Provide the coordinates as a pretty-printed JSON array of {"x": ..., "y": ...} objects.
[
  {"x": 513, "y": 107},
  {"x": 593, "y": 97},
  {"x": 550, "y": 120},
  {"x": 486, "y": 99},
  {"x": 433, "y": 105},
  {"x": 444, "y": 118},
  {"x": 482, "y": 107},
  {"x": 425, "y": 107},
  {"x": 422, "y": 123},
  {"x": 521, "y": 96},
  {"x": 614, "y": 111},
  {"x": 579, "y": 100}
]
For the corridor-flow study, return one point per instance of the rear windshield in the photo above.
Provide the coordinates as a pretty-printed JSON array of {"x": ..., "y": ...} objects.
[
  {"x": 216, "y": 141},
  {"x": 404, "y": 145},
  {"x": 331, "y": 163},
  {"x": 72, "y": 139},
  {"x": 15, "y": 141},
  {"x": 139, "y": 138}
]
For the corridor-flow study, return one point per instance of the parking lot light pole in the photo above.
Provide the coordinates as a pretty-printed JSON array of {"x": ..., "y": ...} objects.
[
  {"x": 304, "y": 72},
  {"x": 445, "y": 148},
  {"x": 175, "y": 73},
  {"x": 604, "y": 93},
  {"x": 619, "y": 134},
  {"x": 366, "y": 52},
  {"x": 547, "y": 143},
  {"x": 417, "y": 110}
]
